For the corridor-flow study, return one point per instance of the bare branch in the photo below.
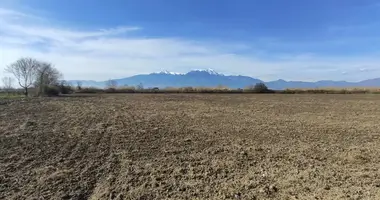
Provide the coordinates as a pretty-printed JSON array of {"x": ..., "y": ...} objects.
[
  {"x": 111, "y": 84},
  {"x": 47, "y": 75},
  {"x": 24, "y": 70},
  {"x": 79, "y": 85}
]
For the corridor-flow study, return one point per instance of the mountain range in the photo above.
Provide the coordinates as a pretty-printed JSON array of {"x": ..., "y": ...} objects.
[{"x": 211, "y": 78}]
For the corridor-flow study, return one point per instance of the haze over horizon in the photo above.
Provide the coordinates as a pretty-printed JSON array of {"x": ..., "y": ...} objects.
[{"x": 269, "y": 40}]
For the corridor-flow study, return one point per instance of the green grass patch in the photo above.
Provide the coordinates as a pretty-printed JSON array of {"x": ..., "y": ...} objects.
[{"x": 11, "y": 96}]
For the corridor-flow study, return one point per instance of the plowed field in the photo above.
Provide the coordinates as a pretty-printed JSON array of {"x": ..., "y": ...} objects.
[{"x": 191, "y": 146}]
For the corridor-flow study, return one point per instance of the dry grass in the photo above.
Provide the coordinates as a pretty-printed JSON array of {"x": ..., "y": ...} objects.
[
  {"x": 222, "y": 89},
  {"x": 190, "y": 146},
  {"x": 331, "y": 90}
]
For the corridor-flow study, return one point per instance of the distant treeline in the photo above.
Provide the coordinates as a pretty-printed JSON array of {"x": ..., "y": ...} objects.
[{"x": 258, "y": 88}]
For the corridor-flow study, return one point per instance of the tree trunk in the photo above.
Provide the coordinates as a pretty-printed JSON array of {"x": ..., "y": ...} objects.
[
  {"x": 41, "y": 86},
  {"x": 26, "y": 91}
]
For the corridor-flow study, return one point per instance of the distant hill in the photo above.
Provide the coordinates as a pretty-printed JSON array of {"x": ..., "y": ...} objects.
[{"x": 210, "y": 78}]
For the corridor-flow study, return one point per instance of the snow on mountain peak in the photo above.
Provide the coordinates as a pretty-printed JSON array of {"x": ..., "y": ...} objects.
[
  {"x": 167, "y": 72},
  {"x": 209, "y": 71}
]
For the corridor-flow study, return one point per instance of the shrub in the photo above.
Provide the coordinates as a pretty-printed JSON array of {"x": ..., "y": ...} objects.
[
  {"x": 90, "y": 90},
  {"x": 126, "y": 89},
  {"x": 52, "y": 90},
  {"x": 65, "y": 89},
  {"x": 110, "y": 90},
  {"x": 120, "y": 90},
  {"x": 155, "y": 90},
  {"x": 258, "y": 88}
]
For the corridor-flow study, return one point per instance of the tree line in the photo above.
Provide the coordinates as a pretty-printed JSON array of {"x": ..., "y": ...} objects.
[
  {"x": 33, "y": 73},
  {"x": 45, "y": 79}
]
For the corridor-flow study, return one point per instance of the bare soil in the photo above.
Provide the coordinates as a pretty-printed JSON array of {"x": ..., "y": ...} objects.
[{"x": 191, "y": 146}]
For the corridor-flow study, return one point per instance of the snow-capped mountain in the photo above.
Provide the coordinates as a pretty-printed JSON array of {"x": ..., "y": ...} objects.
[
  {"x": 208, "y": 71},
  {"x": 194, "y": 71},
  {"x": 193, "y": 78},
  {"x": 211, "y": 78}
]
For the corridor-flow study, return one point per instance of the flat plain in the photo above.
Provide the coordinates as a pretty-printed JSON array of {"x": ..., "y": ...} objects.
[{"x": 191, "y": 146}]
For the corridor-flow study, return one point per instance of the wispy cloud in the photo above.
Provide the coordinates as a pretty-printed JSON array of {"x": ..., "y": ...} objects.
[{"x": 120, "y": 51}]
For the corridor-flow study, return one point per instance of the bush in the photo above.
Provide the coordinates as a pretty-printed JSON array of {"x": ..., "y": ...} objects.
[
  {"x": 120, "y": 90},
  {"x": 156, "y": 90},
  {"x": 90, "y": 90},
  {"x": 65, "y": 89},
  {"x": 258, "y": 88},
  {"x": 52, "y": 90},
  {"x": 110, "y": 90}
]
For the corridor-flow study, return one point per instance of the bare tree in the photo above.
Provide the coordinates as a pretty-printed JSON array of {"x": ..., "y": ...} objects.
[
  {"x": 140, "y": 86},
  {"x": 24, "y": 69},
  {"x": 111, "y": 84},
  {"x": 7, "y": 83},
  {"x": 79, "y": 85},
  {"x": 47, "y": 75}
]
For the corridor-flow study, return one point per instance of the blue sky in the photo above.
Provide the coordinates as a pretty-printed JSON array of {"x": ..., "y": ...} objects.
[{"x": 267, "y": 39}]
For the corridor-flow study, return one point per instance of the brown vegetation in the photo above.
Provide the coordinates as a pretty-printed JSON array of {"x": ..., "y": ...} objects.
[
  {"x": 363, "y": 90},
  {"x": 191, "y": 146},
  {"x": 261, "y": 88}
]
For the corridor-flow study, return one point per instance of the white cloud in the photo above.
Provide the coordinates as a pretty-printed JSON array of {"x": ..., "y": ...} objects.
[{"x": 118, "y": 52}]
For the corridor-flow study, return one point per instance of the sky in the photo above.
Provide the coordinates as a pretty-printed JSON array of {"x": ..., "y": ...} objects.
[{"x": 304, "y": 40}]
